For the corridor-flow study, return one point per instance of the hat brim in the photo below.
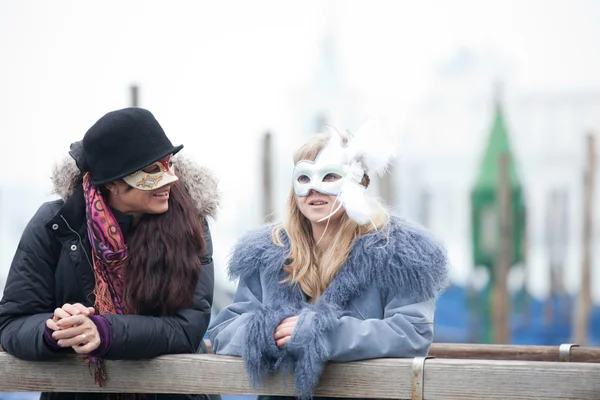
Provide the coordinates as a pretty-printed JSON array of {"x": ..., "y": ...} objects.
[{"x": 162, "y": 155}]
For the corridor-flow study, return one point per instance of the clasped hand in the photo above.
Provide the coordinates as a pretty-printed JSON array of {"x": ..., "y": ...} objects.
[
  {"x": 284, "y": 330},
  {"x": 74, "y": 328}
]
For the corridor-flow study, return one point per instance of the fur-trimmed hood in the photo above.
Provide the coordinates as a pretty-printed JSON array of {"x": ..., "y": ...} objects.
[{"x": 199, "y": 182}]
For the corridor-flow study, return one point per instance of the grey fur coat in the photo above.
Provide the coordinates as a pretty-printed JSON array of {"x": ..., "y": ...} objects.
[{"x": 380, "y": 304}]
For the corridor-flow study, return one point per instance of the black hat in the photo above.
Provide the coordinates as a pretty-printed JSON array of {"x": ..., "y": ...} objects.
[{"x": 120, "y": 143}]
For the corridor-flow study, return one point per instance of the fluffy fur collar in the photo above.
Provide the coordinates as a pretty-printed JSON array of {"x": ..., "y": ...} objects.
[
  {"x": 402, "y": 258},
  {"x": 199, "y": 182}
]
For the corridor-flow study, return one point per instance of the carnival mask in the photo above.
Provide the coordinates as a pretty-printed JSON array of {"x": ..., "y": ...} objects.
[
  {"x": 319, "y": 175},
  {"x": 369, "y": 151},
  {"x": 154, "y": 176}
]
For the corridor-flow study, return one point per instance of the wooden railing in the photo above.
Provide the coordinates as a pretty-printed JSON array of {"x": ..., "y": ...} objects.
[
  {"x": 419, "y": 378},
  {"x": 564, "y": 352}
]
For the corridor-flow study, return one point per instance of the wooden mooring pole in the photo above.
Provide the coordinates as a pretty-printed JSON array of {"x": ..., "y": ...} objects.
[
  {"x": 500, "y": 299},
  {"x": 267, "y": 177},
  {"x": 134, "y": 90},
  {"x": 583, "y": 305}
]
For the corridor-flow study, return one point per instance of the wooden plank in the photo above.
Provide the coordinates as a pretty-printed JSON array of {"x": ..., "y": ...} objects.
[
  {"x": 382, "y": 378},
  {"x": 200, "y": 373},
  {"x": 511, "y": 352},
  {"x": 585, "y": 354},
  {"x": 478, "y": 379},
  {"x": 494, "y": 352}
]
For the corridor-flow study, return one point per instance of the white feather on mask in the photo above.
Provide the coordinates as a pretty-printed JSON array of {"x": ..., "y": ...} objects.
[
  {"x": 354, "y": 199},
  {"x": 373, "y": 146},
  {"x": 353, "y": 196},
  {"x": 369, "y": 151}
]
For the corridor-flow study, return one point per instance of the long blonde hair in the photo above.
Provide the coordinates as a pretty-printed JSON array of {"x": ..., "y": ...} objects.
[{"x": 309, "y": 266}]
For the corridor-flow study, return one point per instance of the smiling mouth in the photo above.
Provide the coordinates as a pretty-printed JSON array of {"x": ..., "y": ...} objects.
[
  {"x": 162, "y": 194},
  {"x": 317, "y": 202}
]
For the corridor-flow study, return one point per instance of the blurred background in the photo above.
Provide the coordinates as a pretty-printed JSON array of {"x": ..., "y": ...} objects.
[{"x": 494, "y": 106}]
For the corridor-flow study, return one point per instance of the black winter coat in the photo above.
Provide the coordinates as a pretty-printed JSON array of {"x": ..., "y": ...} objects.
[{"x": 52, "y": 266}]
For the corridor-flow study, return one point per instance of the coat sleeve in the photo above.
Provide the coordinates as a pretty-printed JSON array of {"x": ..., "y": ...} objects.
[
  {"x": 142, "y": 336},
  {"x": 323, "y": 335},
  {"x": 245, "y": 328},
  {"x": 405, "y": 331},
  {"x": 227, "y": 331},
  {"x": 28, "y": 299}
]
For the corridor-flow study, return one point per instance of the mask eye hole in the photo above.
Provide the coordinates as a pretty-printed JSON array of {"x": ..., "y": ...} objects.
[
  {"x": 331, "y": 177},
  {"x": 152, "y": 169},
  {"x": 303, "y": 179}
]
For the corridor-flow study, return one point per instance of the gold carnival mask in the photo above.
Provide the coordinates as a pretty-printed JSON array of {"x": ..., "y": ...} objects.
[{"x": 153, "y": 176}]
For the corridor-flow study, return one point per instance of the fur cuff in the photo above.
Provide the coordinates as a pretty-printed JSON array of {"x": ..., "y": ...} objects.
[
  {"x": 261, "y": 354},
  {"x": 309, "y": 346}
]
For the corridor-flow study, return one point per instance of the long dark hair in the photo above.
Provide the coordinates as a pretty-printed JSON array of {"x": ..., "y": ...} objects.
[{"x": 165, "y": 252}]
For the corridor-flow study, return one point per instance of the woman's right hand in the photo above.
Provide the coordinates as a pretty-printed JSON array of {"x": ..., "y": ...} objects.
[
  {"x": 283, "y": 332},
  {"x": 79, "y": 332},
  {"x": 66, "y": 311}
]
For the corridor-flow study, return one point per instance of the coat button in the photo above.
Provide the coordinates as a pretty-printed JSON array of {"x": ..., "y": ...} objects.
[
  {"x": 55, "y": 227},
  {"x": 73, "y": 247}
]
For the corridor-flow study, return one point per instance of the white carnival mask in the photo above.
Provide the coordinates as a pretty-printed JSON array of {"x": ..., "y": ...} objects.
[
  {"x": 319, "y": 175},
  {"x": 369, "y": 151},
  {"x": 153, "y": 176}
]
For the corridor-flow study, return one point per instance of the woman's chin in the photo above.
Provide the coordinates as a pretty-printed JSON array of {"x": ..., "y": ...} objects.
[
  {"x": 158, "y": 209},
  {"x": 321, "y": 219}
]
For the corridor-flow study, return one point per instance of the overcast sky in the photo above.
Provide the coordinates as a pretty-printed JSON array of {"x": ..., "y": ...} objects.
[{"x": 224, "y": 71}]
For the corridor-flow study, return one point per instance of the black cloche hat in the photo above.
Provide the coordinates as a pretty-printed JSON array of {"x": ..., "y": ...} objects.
[{"x": 120, "y": 143}]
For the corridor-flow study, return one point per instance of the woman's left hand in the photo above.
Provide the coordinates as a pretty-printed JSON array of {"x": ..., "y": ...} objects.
[
  {"x": 284, "y": 331},
  {"x": 78, "y": 332}
]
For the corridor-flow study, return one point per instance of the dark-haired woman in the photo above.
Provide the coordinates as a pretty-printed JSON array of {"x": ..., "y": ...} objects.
[{"x": 120, "y": 267}]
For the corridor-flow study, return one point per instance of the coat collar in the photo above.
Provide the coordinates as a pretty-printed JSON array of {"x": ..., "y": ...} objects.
[
  {"x": 401, "y": 258},
  {"x": 70, "y": 218}
]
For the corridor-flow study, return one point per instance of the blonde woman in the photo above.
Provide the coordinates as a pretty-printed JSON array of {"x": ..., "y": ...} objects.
[{"x": 339, "y": 280}]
